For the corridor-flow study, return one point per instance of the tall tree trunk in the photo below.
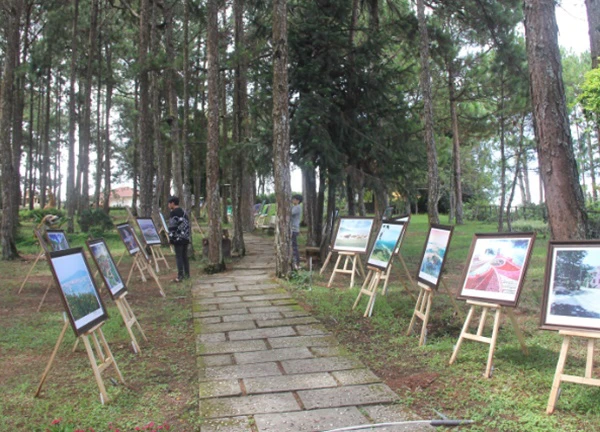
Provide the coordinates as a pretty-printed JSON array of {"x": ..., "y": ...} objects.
[
  {"x": 310, "y": 205},
  {"x": 145, "y": 126},
  {"x": 156, "y": 87},
  {"x": 107, "y": 148},
  {"x": 558, "y": 169},
  {"x": 502, "y": 131},
  {"x": 320, "y": 241},
  {"x": 45, "y": 166},
  {"x": 31, "y": 149},
  {"x": 7, "y": 94},
  {"x": 593, "y": 16},
  {"x": 590, "y": 152},
  {"x": 185, "y": 142},
  {"x": 71, "y": 191},
  {"x": 425, "y": 80},
  {"x": 456, "y": 174},
  {"x": 99, "y": 135},
  {"x": 350, "y": 195},
  {"x": 136, "y": 149},
  {"x": 281, "y": 139},
  {"x": 519, "y": 156},
  {"x": 85, "y": 133},
  {"x": 215, "y": 255}
]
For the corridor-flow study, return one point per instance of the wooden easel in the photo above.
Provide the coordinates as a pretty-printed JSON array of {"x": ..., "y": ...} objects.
[
  {"x": 410, "y": 278},
  {"x": 329, "y": 255},
  {"x": 130, "y": 320},
  {"x": 103, "y": 352},
  {"x": 369, "y": 289},
  {"x": 157, "y": 255},
  {"x": 130, "y": 217},
  {"x": 478, "y": 337},
  {"x": 142, "y": 265},
  {"x": 560, "y": 376},
  {"x": 41, "y": 254},
  {"x": 351, "y": 258},
  {"x": 422, "y": 312},
  {"x": 195, "y": 224}
]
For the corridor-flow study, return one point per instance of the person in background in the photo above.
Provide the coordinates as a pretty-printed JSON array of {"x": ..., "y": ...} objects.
[
  {"x": 179, "y": 237},
  {"x": 295, "y": 223}
]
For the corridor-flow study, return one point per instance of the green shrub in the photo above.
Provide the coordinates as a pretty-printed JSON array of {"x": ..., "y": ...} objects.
[
  {"x": 95, "y": 222},
  {"x": 37, "y": 215},
  {"x": 537, "y": 226}
]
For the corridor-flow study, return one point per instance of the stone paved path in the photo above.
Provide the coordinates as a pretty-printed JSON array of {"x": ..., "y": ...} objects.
[{"x": 266, "y": 365}]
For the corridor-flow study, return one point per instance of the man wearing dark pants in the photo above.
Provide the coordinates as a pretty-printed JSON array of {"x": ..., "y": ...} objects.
[
  {"x": 179, "y": 237},
  {"x": 295, "y": 223}
]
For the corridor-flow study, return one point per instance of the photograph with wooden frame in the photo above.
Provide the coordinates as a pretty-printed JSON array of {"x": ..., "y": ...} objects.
[
  {"x": 42, "y": 241},
  {"x": 77, "y": 289},
  {"x": 107, "y": 267},
  {"x": 434, "y": 255},
  {"x": 353, "y": 234},
  {"x": 386, "y": 242},
  {"x": 128, "y": 237},
  {"x": 571, "y": 297},
  {"x": 57, "y": 240},
  {"x": 405, "y": 219},
  {"x": 164, "y": 223},
  {"x": 496, "y": 267},
  {"x": 149, "y": 231}
]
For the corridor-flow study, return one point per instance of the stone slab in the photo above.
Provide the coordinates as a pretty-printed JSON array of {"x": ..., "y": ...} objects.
[
  {"x": 232, "y": 347},
  {"x": 248, "y": 405},
  {"x": 240, "y": 371},
  {"x": 268, "y": 309},
  {"x": 322, "y": 364},
  {"x": 347, "y": 396},
  {"x": 394, "y": 414},
  {"x": 355, "y": 377},
  {"x": 307, "y": 341},
  {"x": 212, "y": 389},
  {"x": 220, "y": 312},
  {"x": 247, "y": 304},
  {"x": 275, "y": 296},
  {"x": 212, "y": 337},
  {"x": 215, "y": 360},
  {"x": 209, "y": 320},
  {"x": 260, "y": 333},
  {"x": 227, "y": 424},
  {"x": 227, "y": 326},
  {"x": 326, "y": 351},
  {"x": 288, "y": 322},
  {"x": 311, "y": 330},
  {"x": 272, "y": 355},
  {"x": 220, "y": 300},
  {"x": 251, "y": 317},
  {"x": 295, "y": 313},
  {"x": 283, "y": 302},
  {"x": 288, "y": 383},
  {"x": 250, "y": 292},
  {"x": 310, "y": 421}
]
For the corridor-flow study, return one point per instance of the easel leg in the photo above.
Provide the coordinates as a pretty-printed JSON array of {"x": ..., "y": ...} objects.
[
  {"x": 44, "y": 296},
  {"x": 110, "y": 354},
  {"x": 95, "y": 369},
  {"x": 29, "y": 272},
  {"x": 374, "y": 285},
  {"x": 142, "y": 264},
  {"x": 337, "y": 262},
  {"x": 386, "y": 277},
  {"x": 326, "y": 262},
  {"x": 366, "y": 282},
  {"x": 464, "y": 331},
  {"x": 130, "y": 271},
  {"x": 121, "y": 258},
  {"x": 354, "y": 258},
  {"x": 49, "y": 365},
  {"x": 429, "y": 296},
  {"x": 155, "y": 259},
  {"x": 557, "y": 375},
  {"x": 412, "y": 282},
  {"x": 518, "y": 331},
  {"x": 488, "y": 369},
  {"x": 414, "y": 317},
  {"x": 153, "y": 275}
]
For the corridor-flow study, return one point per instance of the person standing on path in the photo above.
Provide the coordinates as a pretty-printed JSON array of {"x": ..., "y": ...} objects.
[
  {"x": 295, "y": 223},
  {"x": 179, "y": 237}
]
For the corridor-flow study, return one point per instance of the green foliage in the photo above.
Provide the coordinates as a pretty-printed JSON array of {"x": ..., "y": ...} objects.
[
  {"x": 267, "y": 198},
  {"x": 95, "y": 222},
  {"x": 539, "y": 227},
  {"x": 37, "y": 215},
  {"x": 590, "y": 92}
]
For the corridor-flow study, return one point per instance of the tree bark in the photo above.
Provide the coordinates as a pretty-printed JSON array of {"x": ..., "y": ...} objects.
[
  {"x": 7, "y": 95},
  {"x": 71, "y": 191},
  {"x": 215, "y": 256},
  {"x": 567, "y": 215},
  {"x": 145, "y": 125},
  {"x": 107, "y": 148},
  {"x": 185, "y": 142},
  {"x": 456, "y": 169},
  {"x": 310, "y": 205},
  {"x": 425, "y": 80},
  {"x": 593, "y": 16},
  {"x": 281, "y": 139}
]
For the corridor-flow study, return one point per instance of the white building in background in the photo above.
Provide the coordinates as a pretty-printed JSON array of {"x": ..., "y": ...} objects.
[{"x": 121, "y": 197}]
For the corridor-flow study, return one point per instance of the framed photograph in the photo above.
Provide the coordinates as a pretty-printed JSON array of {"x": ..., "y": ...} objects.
[
  {"x": 149, "y": 231},
  {"x": 385, "y": 244},
  {"x": 77, "y": 289},
  {"x": 496, "y": 267},
  {"x": 434, "y": 255},
  {"x": 107, "y": 267},
  {"x": 129, "y": 238},
  {"x": 164, "y": 223},
  {"x": 42, "y": 241},
  {"x": 405, "y": 219},
  {"x": 572, "y": 288},
  {"x": 57, "y": 240},
  {"x": 353, "y": 234}
]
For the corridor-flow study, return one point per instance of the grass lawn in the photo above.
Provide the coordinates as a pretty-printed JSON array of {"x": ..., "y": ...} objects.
[
  {"x": 514, "y": 399},
  {"x": 161, "y": 381}
]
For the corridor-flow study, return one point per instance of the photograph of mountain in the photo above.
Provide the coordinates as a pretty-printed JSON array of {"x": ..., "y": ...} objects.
[
  {"x": 353, "y": 235},
  {"x": 383, "y": 249},
  {"x": 148, "y": 230},
  {"x": 434, "y": 254},
  {"x": 107, "y": 266}
]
